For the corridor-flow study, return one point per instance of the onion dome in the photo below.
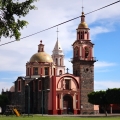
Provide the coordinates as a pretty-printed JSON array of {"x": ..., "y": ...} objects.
[{"x": 83, "y": 24}]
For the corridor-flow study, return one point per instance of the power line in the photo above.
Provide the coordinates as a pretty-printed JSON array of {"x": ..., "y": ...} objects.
[{"x": 60, "y": 23}]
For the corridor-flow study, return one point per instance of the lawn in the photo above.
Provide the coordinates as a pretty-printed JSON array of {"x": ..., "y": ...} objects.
[{"x": 57, "y": 118}]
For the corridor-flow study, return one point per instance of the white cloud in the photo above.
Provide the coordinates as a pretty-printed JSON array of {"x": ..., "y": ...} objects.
[
  {"x": 15, "y": 55},
  {"x": 98, "y": 30},
  {"x": 103, "y": 85},
  {"x": 100, "y": 64}
]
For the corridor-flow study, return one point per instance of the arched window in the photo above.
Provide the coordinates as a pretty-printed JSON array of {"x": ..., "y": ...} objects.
[
  {"x": 86, "y": 52},
  {"x": 35, "y": 71},
  {"x": 60, "y": 62},
  {"x": 76, "y": 52},
  {"x": 19, "y": 85},
  {"x": 60, "y": 72},
  {"x": 56, "y": 61},
  {"x": 54, "y": 71}
]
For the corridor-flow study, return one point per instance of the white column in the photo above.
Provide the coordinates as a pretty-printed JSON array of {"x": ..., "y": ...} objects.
[
  {"x": 74, "y": 101},
  {"x": 110, "y": 109},
  {"x": 61, "y": 101}
]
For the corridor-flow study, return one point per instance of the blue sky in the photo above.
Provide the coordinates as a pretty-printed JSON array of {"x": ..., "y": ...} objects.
[{"x": 104, "y": 29}]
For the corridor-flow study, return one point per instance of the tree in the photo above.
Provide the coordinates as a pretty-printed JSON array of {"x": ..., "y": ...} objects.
[
  {"x": 113, "y": 96},
  {"x": 99, "y": 98},
  {"x": 3, "y": 101},
  {"x": 10, "y": 13}
]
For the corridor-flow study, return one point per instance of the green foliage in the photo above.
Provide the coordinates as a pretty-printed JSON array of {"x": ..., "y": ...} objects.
[
  {"x": 97, "y": 98},
  {"x": 110, "y": 96},
  {"x": 113, "y": 96},
  {"x": 10, "y": 13},
  {"x": 105, "y": 98},
  {"x": 3, "y": 100}
]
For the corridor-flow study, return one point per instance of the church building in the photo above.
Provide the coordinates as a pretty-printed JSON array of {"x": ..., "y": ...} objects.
[{"x": 49, "y": 88}]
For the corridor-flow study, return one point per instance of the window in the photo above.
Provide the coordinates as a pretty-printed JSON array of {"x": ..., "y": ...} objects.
[
  {"x": 19, "y": 85},
  {"x": 86, "y": 52},
  {"x": 60, "y": 72},
  {"x": 76, "y": 52},
  {"x": 27, "y": 71},
  {"x": 60, "y": 62},
  {"x": 54, "y": 71},
  {"x": 35, "y": 71},
  {"x": 56, "y": 61},
  {"x": 67, "y": 84},
  {"x": 46, "y": 70}
]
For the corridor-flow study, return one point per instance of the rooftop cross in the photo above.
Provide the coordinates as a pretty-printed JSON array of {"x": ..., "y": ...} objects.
[
  {"x": 41, "y": 42},
  {"x": 57, "y": 33},
  {"x": 67, "y": 70}
]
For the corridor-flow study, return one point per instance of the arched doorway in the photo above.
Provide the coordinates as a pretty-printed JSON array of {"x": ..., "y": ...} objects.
[{"x": 67, "y": 104}]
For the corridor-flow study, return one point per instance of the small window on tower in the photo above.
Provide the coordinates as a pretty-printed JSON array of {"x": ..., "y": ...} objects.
[
  {"x": 86, "y": 52},
  {"x": 46, "y": 70},
  {"x": 35, "y": 71},
  {"x": 60, "y": 72},
  {"x": 60, "y": 62},
  {"x": 76, "y": 52},
  {"x": 56, "y": 61},
  {"x": 19, "y": 85}
]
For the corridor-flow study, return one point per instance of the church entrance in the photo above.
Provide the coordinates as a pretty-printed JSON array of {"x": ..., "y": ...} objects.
[{"x": 67, "y": 104}]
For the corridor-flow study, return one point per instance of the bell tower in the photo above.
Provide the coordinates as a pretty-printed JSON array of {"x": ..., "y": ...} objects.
[
  {"x": 58, "y": 57},
  {"x": 83, "y": 63}
]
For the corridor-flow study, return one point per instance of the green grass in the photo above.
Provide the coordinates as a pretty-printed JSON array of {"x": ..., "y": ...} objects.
[{"x": 57, "y": 118}]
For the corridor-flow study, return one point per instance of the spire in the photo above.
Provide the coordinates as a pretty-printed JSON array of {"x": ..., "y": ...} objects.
[
  {"x": 82, "y": 16},
  {"x": 57, "y": 33},
  {"x": 58, "y": 49},
  {"x": 82, "y": 23}
]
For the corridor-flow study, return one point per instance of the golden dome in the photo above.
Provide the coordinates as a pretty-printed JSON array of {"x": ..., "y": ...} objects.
[
  {"x": 41, "y": 57},
  {"x": 83, "y": 25}
]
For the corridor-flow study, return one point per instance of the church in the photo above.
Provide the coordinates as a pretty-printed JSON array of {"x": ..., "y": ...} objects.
[{"x": 49, "y": 88}]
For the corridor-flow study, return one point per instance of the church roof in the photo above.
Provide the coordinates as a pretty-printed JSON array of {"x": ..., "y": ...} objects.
[
  {"x": 57, "y": 49},
  {"x": 41, "y": 57}
]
